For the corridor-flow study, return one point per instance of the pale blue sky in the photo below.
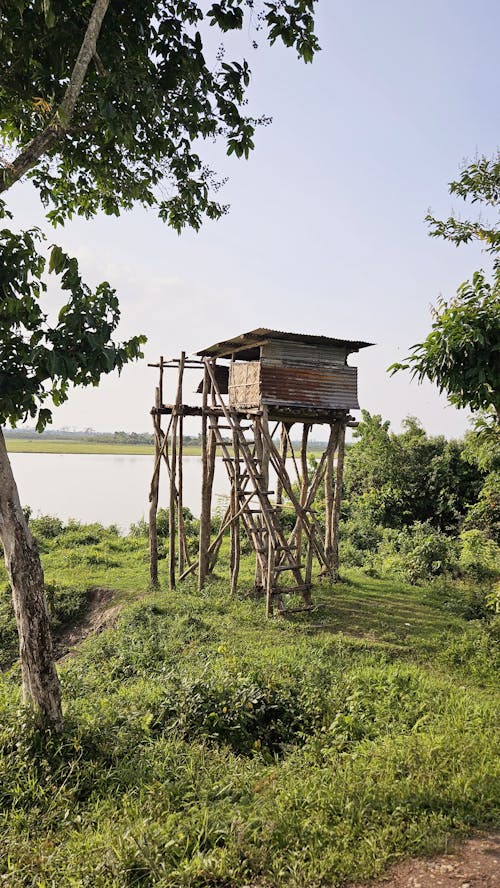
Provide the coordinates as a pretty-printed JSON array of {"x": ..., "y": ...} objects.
[{"x": 326, "y": 232}]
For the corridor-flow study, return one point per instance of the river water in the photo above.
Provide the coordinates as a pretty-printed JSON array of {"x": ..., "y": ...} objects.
[
  {"x": 103, "y": 487},
  {"x": 110, "y": 489}
]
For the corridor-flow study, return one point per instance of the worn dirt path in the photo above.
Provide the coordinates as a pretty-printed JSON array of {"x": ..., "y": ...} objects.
[
  {"x": 100, "y": 614},
  {"x": 473, "y": 864}
]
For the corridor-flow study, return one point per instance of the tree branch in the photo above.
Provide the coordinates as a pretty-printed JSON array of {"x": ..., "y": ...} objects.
[{"x": 59, "y": 125}]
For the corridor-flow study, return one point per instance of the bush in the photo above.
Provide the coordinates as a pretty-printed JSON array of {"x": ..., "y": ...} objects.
[
  {"x": 485, "y": 514},
  {"x": 140, "y": 529},
  {"x": 46, "y": 526},
  {"x": 479, "y": 556},
  {"x": 191, "y": 524},
  {"x": 417, "y": 553},
  {"x": 359, "y": 538},
  {"x": 476, "y": 651},
  {"x": 247, "y": 715},
  {"x": 464, "y": 598}
]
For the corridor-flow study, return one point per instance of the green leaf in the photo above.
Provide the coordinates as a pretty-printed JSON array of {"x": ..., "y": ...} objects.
[{"x": 49, "y": 13}]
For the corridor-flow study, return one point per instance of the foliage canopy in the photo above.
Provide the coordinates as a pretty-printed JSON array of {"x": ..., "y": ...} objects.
[
  {"x": 123, "y": 124},
  {"x": 462, "y": 352},
  {"x": 39, "y": 359},
  {"x": 148, "y": 100}
]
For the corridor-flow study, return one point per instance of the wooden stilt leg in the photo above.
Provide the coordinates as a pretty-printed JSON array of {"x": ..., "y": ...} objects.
[
  {"x": 339, "y": 475},
  {"x": 329, "y": 503},
  {"x": 205, "y": 500},
  {"x": 153, "y": 501},
  {"x": 304, "y": 483},
  {"x": 270, "y": 576},
  {"x": 235, "y": 521},
  {"x": 283, "y": 452},
  {"x": 260, "y": 578}
]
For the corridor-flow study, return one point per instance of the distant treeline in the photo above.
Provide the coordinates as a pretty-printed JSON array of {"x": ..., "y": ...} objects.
[{"x": 119, "y": 437}]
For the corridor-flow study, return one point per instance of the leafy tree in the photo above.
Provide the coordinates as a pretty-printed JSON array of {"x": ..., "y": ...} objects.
[
  {"x": 105, "y": 131},
  {"x": 395, "y": 480},
  {"x": 462, "y": 351},
  {"x": 483, "y": 450},
  {"x": 38, "y": 361},
  {"x": 104, "y": 104}
]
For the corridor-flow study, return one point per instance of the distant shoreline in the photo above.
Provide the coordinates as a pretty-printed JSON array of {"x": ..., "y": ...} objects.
[
  {"x": 56, "y": 445},
  {"x": 80, "y": 446}
]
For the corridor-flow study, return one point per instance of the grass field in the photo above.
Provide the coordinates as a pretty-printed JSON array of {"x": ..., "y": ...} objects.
[
  {"x": 206, "y": 746},
  {"x": 54, "y": 445},
  {"x": 63, "y": 445}
]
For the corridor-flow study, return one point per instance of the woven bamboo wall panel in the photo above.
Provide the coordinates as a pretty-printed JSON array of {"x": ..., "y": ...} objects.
[{"x": 244, "y": 384}]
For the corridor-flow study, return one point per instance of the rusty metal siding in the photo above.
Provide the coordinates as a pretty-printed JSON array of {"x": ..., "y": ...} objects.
[
  {"x": 288, "y": 353},
  {"x": 309, "y": 387}
]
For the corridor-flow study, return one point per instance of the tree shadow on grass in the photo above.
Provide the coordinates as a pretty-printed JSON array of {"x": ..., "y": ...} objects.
[{"x": 382, "y": 612}]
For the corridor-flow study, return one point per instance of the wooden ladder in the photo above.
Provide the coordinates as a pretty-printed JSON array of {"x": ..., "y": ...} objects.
[{"x": 259, "y": 517}]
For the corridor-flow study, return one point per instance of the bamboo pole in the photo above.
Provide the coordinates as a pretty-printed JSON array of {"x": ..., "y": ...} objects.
[
  {"x": 304, "y": 484},
  {"x": 212, "y": 452},
  {"x": 288, "y": 427},
  {"x": 235, "y": 521},
  {"x": 180, "y": 468},
  {"x": 260, "y": 575},
  {"x": 339, "y": 476},
  {"x": 160, "y": 392},
  {"x": 153, "y": 500},
  {"x": 270, "y": 576},
  {"x": 175, "y": 505},
  {"x": 329, "y": 501},
  {"x": 205, "y": 505},
  {"x": 172, "y": 508},
  {"x": 283, "y": 451}
]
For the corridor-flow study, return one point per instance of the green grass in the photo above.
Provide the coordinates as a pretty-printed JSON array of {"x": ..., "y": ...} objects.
[
  {"x": 206, "y": 746},
  {"x": 54, "y": 445}
]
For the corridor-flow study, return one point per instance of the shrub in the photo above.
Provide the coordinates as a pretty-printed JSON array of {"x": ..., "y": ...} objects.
[
  {"x": 139, "y": 529},
  {"x": 76, "y": 534},
  {"x": 191, "y": 524},
  {"x": 46, "y": 526},
  {"x": 461, "y": 597},
  {"x": 479, "y": 556},
  {"x": 416, "y": 553},
  {"x": 247, "y": 715}
]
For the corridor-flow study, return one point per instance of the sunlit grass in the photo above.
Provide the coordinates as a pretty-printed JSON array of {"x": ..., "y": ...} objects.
[{"x": 208, "y": 746}]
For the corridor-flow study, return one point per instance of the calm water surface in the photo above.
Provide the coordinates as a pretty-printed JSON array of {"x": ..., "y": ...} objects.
[{"x": 102, "y": 487}]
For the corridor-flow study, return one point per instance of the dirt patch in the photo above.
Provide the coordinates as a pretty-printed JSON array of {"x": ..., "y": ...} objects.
[
  {"x": 474, "y": 864},
  {"x": 99, "y": 615}
]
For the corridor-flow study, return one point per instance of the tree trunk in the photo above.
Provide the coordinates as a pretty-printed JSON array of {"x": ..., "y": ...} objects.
[
  {"x": 41, "y": 689},
  {"x": 43, "y": 142}
]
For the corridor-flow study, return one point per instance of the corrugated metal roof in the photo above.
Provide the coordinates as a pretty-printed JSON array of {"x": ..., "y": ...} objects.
[{"x": 263, "y": 334}]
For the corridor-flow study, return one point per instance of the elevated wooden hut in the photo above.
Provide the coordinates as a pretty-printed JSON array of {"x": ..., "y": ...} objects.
[{"x": 255, "y": 387}]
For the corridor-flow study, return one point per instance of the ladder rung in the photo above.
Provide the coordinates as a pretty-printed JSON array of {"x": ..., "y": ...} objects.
[
  {"x": 279, "y": 590},
  {"x": 288, "y": 567},
  {"x": 232, "y": 427}
]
